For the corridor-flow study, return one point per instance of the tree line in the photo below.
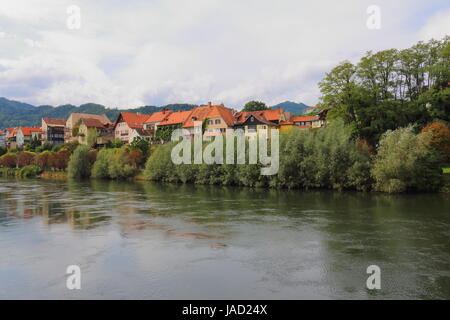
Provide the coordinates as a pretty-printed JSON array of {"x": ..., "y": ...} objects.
[{"x": 390, "y": 89}]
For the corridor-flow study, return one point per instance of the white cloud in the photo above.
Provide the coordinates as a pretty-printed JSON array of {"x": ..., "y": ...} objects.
[
  {"x": 438, "y": 26},
  {"x": 158, "y": 52}
]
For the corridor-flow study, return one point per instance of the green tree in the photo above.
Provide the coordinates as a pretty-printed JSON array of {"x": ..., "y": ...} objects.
[
  {"x": 255, "y": 106},
  {"x": 35, "y": 143},
  {"x": 115, "y": 163},
  {"x": 390, "y": 89},
  {"x": 141, "y": 144},
  {"x": 405, "y": 161},
  {"x": 79, "y": 164},
  {"x": 116, "y": 143}
]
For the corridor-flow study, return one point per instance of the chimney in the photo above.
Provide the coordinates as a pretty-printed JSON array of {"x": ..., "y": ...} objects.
[{"x": 209, "y": 104}]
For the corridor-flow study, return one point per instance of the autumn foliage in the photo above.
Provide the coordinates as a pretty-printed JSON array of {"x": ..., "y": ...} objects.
[
  {"x": 45, "y": 160},
  {"x": 25, "y": 159},
  {"x": 8, "y": 160},
  {"x": 439, "y": 137}
]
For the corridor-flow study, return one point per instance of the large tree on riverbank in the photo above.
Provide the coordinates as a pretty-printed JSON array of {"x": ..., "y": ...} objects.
[{"x": 391, "y": 89}]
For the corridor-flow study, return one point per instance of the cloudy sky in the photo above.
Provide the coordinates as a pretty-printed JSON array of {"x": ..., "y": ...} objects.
[{"x": 132, "y": 53}]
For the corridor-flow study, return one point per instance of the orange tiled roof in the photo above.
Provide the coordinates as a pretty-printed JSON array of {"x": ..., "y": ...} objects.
[
  {"x": 55, "y": 121},
  {"x": 134, "y": 120},
  {"x": 304, "y": 118},
  {"x": 12, "y": 132},
  {"x": 28, "y": 131},
  {"x": 222, "y": 112},
  {"x": 158, "y": 116},
  {"x": 198, "y": 114},
  {"x": 273, "y": 114},
  {"x": 175, "y": 118}
]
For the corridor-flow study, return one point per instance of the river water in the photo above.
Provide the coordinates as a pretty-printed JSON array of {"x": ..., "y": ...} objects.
[{"x": 143, "y": 240}]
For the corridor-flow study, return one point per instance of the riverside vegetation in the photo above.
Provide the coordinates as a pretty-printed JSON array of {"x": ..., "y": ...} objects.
[
  {"x": 329, "y": 157},
  {"x": 388, "y": 131}
]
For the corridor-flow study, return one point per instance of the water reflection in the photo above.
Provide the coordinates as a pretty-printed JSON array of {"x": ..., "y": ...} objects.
[{"x": 166, "y": 240}]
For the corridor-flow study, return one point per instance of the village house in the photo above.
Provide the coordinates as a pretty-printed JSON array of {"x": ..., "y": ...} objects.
[
  {"x": 174, "y": 120},
  {"x": 303, "y": 122},
  {"x": 95, "y": 133},
  {"x": 218, "y": 120},
  {"x": 53, "y": 130},
  {"x": 71, "y": 131},
  {"x": 194, "y": 122},
  {"x": 2, "y": 138},
  {"x": 155, "y": 118},
  {"x": 10, "y": 138},
  {"x": 313, "y": 121},
  {"x": 131, "y": 125},
  {"x": 255, "y": 122},
  {"x": 24, "y": 135}
]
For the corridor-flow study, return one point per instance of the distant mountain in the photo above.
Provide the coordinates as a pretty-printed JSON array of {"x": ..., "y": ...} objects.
[
  {"x": 293, "y": 107},
  {"x": 19, "y": 114}
]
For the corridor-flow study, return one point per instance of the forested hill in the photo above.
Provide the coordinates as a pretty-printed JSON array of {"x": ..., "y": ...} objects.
[
  {"x": 14, "y": 113},
  {"x": 293, "y": 107}
]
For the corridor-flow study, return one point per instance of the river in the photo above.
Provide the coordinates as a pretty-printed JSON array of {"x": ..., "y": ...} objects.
[{"x": 144, "y": 240}]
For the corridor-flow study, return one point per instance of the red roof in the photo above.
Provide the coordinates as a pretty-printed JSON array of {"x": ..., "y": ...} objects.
[
  {"x": 134, "y": 120},
  {"x": 304, "y": 118},
  {"x": 12, "y": 132},
  {"x": 93, "y": 123},
  {"x": 158, "y": 116},
  {"x": 241, "y": 117},
  {"x": 222, "y": 112},
  {"x": 175, "y": 118},
  {"x": 28, "y": 131},
  {"x": 198, "y": 114},
  {"x": 272, "y": 115},
  {"x": 54, "y": 121}
]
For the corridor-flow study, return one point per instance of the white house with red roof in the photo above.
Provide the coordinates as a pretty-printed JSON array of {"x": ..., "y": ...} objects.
[
  {"x": 131, "y": 125},
  {"x": 26, "y": 134}
]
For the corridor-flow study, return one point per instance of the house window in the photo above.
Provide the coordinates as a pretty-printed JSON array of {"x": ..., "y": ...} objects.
[
  {"x": 217, "y": 121},
  {"x": 210, "y": 122},
  {"x": 264, "y": 127}
]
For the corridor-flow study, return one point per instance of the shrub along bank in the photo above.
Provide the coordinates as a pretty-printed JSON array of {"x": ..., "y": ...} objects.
[{"x": 326, "y": 158}]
